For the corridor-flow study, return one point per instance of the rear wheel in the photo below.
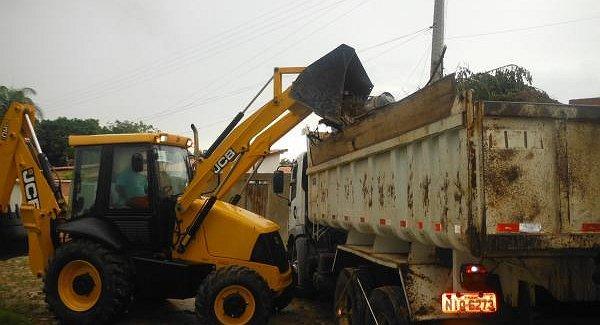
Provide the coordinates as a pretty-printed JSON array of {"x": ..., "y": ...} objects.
[
  {"x": 234, "y": 295},
  {"x": 303, "y": 267},
  {"x": 389, "y": 306},
  {"x": 87, "y": 283},
  {"x": 349, "y": 302}
]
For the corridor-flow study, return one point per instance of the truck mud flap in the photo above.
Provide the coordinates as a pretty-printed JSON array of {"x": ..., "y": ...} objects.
[
  {"x": 13, "y": 237},
  {"x": 333, "y": 85}
]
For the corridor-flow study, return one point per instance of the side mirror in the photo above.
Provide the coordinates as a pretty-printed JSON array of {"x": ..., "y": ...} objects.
[
  {"x": 278, "y": 182},
  {"x": 137, "y": 163}
]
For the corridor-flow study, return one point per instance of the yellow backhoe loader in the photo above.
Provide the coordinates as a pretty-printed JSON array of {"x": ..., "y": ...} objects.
[{"x": 143, "y": 222}]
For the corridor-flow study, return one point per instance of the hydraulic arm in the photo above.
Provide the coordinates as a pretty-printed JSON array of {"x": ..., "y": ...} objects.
[
  {"x": 21, "y": 158},
  {"x": 323, "y": 88}
]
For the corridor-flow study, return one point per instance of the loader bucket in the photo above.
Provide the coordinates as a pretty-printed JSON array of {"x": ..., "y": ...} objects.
[{"x": 334, "y": 85}]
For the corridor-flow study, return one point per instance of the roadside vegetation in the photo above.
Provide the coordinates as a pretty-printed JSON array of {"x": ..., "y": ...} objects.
[{"x": 507, "y": 83}]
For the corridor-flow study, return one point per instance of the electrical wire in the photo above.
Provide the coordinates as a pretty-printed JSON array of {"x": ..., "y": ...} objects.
[
  {"x": 294, "y": 43},
  {"x": 512, "y": 30},
  {"x": 258, "y": 54},
  {"x": 396, "y": 46},
  {"x": 392, "y": 40},
  {"x": 170, "y": 67},
  {"x": 221, "y": 36}
]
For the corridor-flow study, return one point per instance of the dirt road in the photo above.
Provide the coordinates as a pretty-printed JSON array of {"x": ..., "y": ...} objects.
[{"x": 22, "y": 302}]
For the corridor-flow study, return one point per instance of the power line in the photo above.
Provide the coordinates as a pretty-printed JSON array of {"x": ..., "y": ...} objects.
[
  {"x": 282, "y": 39},
  {"x": 396, "y": 46},
  {"x": 512, "y": 30},
  {"x": 295, "y": 43},
  {"x": 181, "y": 53},
  {"x": 204, "y": 102},
  {"x": 174, "y": 65},
  {"x": 412, "y": 72},
  {"x": 392, "y": 40}
]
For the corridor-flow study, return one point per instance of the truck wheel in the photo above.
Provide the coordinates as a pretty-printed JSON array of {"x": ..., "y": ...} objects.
[
  {"x": 87, "y": 283},
  {"x": 303, "y": 267},
  {"x": 234, "y": 295},
  {"x": 349, "y": 302},
  {"x": 389, "y": 306}
]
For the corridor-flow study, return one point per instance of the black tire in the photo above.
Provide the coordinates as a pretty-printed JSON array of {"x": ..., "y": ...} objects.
[
  {"x": 303, "y": 267},
  {"x": 349, "y": 304},
  {"x": 389, "y": 306},
  {"x": 226, "y": 277},
  {"x": 285, "y": 298},
  {"x": 116, "y": 289}
]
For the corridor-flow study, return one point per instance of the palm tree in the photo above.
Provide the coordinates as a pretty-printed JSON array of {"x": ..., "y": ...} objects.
[{"x": 8, "y": 95}]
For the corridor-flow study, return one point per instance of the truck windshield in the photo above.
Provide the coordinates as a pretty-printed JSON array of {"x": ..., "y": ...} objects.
[{"x": 173, "y": 171}]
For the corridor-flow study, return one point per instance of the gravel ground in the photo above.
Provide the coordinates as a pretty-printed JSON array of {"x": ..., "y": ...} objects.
[{"x": 22, "y": 301}]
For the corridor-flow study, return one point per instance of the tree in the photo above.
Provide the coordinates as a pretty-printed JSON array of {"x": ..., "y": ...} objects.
[
  {"x": 53, "y": 136},
  {"x": 128, "y": 127},
  {"x": 286, "y": 162},
  {"x": 507, "y": 83},
  {"x": 8, "y": 95}
]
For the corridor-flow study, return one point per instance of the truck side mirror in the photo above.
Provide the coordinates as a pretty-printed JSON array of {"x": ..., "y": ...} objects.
[
  {"x": 278, "y": 182},
  {"x": 137, "y": 163}
]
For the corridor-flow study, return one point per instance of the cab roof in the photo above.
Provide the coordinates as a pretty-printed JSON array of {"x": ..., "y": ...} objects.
[{"x": 156, "y": 138}]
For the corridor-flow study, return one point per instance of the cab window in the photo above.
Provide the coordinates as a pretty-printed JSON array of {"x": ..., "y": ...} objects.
[
  {"x": 173, "y": 170},
  {"x": 129, "y": 179},
  {"x": 85, "y": 183}
]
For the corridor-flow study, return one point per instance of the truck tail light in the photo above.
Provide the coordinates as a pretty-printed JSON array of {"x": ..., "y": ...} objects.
[
  {"x": 474, "y": 269},
  {"x": 473, "y": 276}
]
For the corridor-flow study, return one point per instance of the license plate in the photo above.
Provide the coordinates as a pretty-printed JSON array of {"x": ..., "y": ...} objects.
[{"x": 459, "y": 303}]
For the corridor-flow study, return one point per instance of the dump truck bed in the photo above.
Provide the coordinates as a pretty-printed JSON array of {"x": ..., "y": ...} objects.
[{"x": 491, "y": 178}]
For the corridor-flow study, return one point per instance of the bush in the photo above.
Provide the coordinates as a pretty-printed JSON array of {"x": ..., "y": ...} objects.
[{"x": 507, "y": 83}]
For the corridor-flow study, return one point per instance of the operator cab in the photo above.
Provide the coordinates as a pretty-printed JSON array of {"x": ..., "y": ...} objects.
[{"x": 132, "y": 181}]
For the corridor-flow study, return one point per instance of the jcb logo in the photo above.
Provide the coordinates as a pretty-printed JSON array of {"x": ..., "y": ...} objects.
[
  {"x": 224, "y": 160},
  {"x": 31, "y": 191},
  {"x": 4, "y": 132}
]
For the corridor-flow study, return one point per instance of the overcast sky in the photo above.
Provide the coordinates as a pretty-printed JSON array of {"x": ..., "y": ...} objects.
[{"x": 171, "y": 63}]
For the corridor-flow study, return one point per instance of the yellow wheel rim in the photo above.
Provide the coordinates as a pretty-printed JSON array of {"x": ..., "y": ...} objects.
[
  {"x": 234, "y": 305},
  {"x": 79, "y": 285}
]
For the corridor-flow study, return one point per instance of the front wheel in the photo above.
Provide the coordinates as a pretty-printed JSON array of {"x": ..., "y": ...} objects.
[
  {"x": 87, "y": 283},
  {"x": 234, "y": 295}
]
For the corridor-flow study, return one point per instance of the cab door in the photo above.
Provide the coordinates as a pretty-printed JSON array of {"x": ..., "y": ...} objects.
[{"x": 130, "y": 192}]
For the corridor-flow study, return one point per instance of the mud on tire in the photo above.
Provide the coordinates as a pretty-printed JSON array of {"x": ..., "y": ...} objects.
[
  {"x": 116, "y": 289},
  {"x": 218, "y": 282}
]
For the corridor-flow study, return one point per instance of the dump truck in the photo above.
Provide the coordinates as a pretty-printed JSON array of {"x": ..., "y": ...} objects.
[
  {"x": 144, "y": 221},
  {"x": 442, "y": 206}
]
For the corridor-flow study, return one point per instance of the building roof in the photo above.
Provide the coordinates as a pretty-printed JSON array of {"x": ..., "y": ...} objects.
[
  {"x": 585, "y": 101},
  {"x": 157, "y": 138}
]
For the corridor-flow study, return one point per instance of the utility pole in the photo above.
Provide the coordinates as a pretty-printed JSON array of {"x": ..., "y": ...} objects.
[{"x": 437, "y": 41}]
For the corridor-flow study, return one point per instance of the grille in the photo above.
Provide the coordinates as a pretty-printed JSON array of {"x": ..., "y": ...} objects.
[{"x": 269, "y": 250}]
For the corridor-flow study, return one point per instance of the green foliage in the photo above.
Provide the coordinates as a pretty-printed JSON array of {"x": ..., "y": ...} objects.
[
  {"x": 8, "y": 95},
  {"x": 507, "y": 83},
  {"x": 128, "y": 127},
  {"x": 286, "y": 162},
  {"x": 53, "y": 134}
]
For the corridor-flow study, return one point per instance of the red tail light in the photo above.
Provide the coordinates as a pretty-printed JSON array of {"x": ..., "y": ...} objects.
[
  {"x": 473, "y": 276},
  {"x": 474, "y": 269}
]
